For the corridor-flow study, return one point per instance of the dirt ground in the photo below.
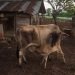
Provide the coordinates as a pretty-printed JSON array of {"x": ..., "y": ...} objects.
[{"x": 9, "y": 62}]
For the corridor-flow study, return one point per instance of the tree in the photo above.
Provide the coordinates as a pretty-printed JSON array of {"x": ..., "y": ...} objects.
[
  {"x": 70, "y": 7},
  {"x": 59, "y": 5},
  {"x": 48, "y": 11}
]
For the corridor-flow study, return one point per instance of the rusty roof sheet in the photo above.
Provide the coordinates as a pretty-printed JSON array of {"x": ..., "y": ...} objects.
[
  {"x": 36, "y": 8},
  {"x": 26, "y": 6},
  {"x": 3, "y": 4}
]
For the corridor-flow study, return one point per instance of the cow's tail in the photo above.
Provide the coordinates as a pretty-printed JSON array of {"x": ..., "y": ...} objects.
[{"x": 55, "y": 38}]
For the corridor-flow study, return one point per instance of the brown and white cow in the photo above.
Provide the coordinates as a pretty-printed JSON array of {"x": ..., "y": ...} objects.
[{"x": 44, "y": 39}]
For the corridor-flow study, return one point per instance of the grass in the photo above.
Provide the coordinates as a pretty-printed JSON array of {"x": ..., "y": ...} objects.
[
  {"x": 59, "y": 18},
  {"x": 64, "y": 18}
]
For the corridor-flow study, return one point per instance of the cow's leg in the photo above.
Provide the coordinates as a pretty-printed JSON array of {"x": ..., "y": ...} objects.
[
  {"x": 45, "y": 61},
  {"x": 62, "y": 54},
  {"x": 24, "y": 58},
  {"x": 17, "y": 52},
  {"x": 20, "y": 57}
]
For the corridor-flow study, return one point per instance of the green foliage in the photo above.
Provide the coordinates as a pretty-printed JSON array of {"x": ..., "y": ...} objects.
[
  {"x": 59, "y": 5},
  {"x": 48, "y": 11},
  {"x": 65, "y": 14},
  {"x": 69, "y": 7},
  {"x": 59, "y": 18}
]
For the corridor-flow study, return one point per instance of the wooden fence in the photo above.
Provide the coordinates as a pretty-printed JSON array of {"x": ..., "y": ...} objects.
[{"x": 62, "y": 24}]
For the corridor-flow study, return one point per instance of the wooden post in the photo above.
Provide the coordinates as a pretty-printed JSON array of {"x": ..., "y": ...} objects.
[
  {"x": 1, "y": 26},
  {"x": 1, "y": 31},
  {"x": 30, "y": 20},
  {"x": 14, "y": 25},
  {"x": 73, "y": 25}
]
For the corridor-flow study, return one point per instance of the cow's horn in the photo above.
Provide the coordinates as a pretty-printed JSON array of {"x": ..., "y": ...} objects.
[{"x": 31, "y": 44}]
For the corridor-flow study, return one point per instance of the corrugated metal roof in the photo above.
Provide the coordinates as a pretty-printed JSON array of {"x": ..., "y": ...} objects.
[
  {"x": 26, "y": 6},
  {"x": 36, "y": 8},
  {"x": 11, "y": 0},
  {"x": 3, "y": 5},
  {"x": 12, "y": 6}
]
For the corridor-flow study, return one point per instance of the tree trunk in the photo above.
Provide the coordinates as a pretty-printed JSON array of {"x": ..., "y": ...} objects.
[
  {"x": 54, "y": 18},
  {"x": 54, "y": 14}
]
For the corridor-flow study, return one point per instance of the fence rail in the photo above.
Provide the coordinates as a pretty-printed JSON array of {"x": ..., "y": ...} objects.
[{"x": 62, "y": 23}]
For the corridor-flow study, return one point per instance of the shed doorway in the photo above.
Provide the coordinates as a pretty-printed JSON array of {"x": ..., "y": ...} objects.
[{"x": 9, "y": 26}]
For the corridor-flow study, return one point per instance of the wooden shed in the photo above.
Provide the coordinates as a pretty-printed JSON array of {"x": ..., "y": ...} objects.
[{"x": 13, "y": 13}]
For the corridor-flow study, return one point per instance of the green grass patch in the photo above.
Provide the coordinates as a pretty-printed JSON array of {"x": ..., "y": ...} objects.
[{"x": 59, "y": 18}]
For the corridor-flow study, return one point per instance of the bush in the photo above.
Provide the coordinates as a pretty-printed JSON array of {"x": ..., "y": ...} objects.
[{"x": 65, "y": 14}]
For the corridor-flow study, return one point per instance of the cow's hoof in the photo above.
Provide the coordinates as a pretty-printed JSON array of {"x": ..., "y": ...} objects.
[
  {"x": 63, "y": 62},
  {"x": 50, "y": 59},
  {"x": 25, "y": 62},
  {"x": 19, "y": 66}
]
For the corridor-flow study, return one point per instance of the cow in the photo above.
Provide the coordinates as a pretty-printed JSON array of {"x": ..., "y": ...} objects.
[{"x": 43, "y": 39}]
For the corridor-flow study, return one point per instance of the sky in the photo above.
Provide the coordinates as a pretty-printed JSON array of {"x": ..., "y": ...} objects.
[{"x": 47, "y": 5}]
